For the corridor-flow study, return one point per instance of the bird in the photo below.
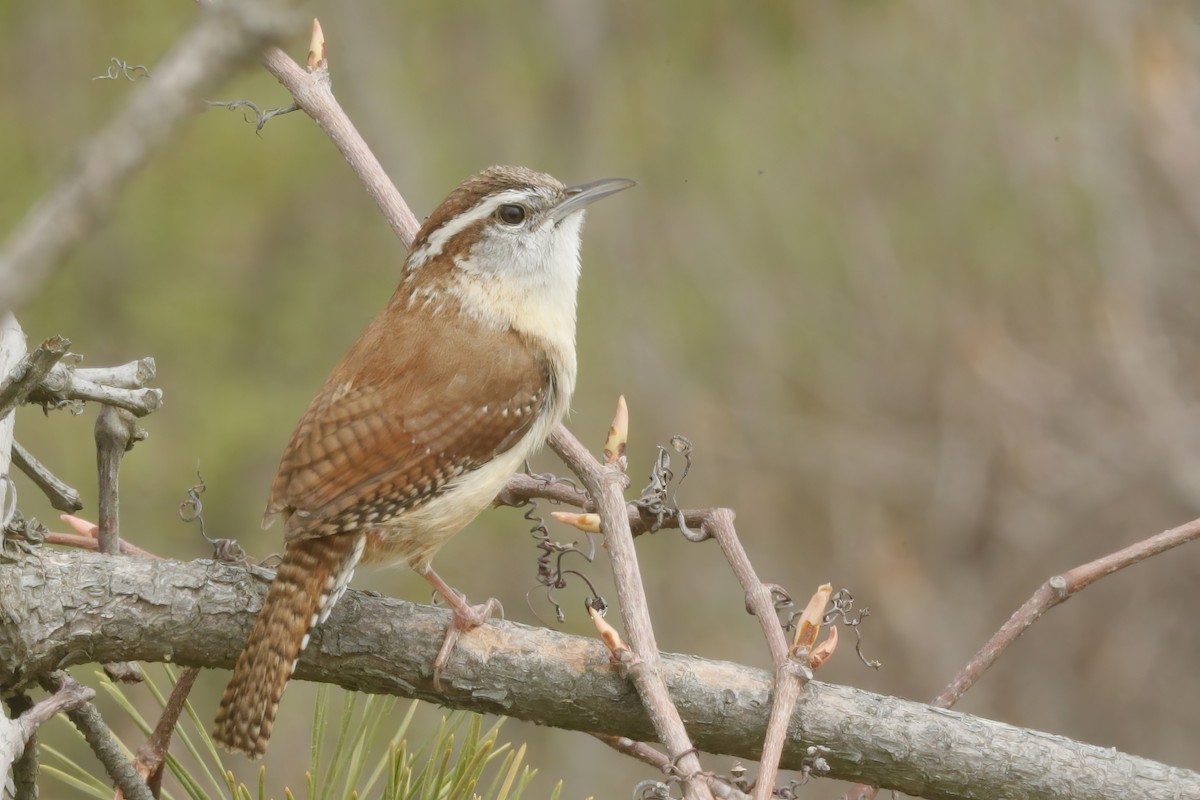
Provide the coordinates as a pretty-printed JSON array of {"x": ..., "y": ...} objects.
[{"x": 443, "y": 397}]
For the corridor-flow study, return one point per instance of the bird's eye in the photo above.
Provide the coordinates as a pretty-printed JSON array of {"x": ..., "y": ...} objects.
[{"x": 511, "y": 214}]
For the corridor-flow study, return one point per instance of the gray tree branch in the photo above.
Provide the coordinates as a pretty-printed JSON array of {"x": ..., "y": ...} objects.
[
  {"x": 12, "y": 350},
  {"x": 20, "y": 380},
  {"x": 203, "y": 58},
  {"x": 18, "y": 732},
  {"x": 65, "y": 608},
  {"x": 108, "y": 751}
]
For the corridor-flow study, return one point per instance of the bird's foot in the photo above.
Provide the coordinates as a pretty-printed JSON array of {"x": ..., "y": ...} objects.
[{"x": 466, "y": 617}]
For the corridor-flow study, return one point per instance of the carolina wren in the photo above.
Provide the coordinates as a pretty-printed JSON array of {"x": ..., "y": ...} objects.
[{"x": 446, "y": 393}]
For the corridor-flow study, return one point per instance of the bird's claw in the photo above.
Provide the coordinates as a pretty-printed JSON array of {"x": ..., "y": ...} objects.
[{"x": 466, "y": 618}]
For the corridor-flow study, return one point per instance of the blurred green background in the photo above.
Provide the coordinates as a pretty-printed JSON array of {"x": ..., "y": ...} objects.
[{"x": 919, "y": 281}]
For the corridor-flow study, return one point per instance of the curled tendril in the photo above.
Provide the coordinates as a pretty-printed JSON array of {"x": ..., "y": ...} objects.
[
  {"x": 550, "y": 572},
  {"x": 118, "y": 68},
  {"x": 19, "y": 533},
  {"x": 783, "y": 603},
  {"x": 261, "y": 116},
  {"x": 192, "y": 510},
  {"x": 652, "y": 790},
  {"x": 813, "y": 763},
  {"x": 841, "y": 609},
  {"x": 658, "y": 499},
  {"x": 672, "y": 768}
]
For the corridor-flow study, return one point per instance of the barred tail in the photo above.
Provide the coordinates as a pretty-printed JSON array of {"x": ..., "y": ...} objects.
[{"x": 312, "y": 577}]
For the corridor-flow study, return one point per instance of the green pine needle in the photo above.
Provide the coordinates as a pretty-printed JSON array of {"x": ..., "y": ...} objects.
[{"x": 363, "y": 754}]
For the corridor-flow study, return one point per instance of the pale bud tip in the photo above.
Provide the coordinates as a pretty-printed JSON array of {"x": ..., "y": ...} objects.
[
  {"x": 589, "y": 523},
  {"x": 821, "y": 653},
  {"x": 316, "y": 49},
  {"x": 608, "y": 634},
  {"x": 808, "y": 626},
  {"x": 618, "y": 435},
  {"x": 81, "y": 526}
]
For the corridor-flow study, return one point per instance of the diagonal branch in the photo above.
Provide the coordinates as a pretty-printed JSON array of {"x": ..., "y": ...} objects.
[
  {"x": 19, "y": 734},
  {"x": 648, "y": 755},
  {"x": 104, "y": 745},
  {"x": 606, "y": 484},
  {"x": 312, "y": 92},
  {"x": 62, "y": 497},
  {"x": 1059, "y": 589},
  {"x": 790, "y": 676},
  {"x": 203, "y": 58}
]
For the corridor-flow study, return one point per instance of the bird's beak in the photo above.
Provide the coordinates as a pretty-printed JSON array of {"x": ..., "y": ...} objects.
[{"x": 577, "y": 197}]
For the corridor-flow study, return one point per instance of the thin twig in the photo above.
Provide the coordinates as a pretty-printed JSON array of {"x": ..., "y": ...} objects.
[
  {"x": 138, "y": 402},
  {"x": 104, "y": 745},
  {"x": 123, "y": 386},
  {"x": 648, "y": 755},
  {"x": 1057, "y": 589},
  {"x": 115, "y": 434},
  {"x": 522, "y": 488},
  {"x": 62, "y": 497},
  {"x": 311, "y": 90},
  {"x": 790, "y": 676},
  {"x": 17, "y": 735},
  {"x": 635, "y": 749},
  {"x": 152, "y": 755},
  {"x": 92, "y": 544},
  {"x": 606, "y": 483},
  {"x": 133, "y": 375},
  {"x": 760, "y": 599}
]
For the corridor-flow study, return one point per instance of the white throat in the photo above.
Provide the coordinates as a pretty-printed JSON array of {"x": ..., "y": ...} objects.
[{"x": 534, "y": 292}]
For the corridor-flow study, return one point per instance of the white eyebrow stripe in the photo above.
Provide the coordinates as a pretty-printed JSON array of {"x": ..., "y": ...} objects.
[{"x": 455, "y": 225}]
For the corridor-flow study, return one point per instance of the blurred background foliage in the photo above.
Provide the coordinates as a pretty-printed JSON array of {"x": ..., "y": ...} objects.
[{"x": 918, "y": 279}]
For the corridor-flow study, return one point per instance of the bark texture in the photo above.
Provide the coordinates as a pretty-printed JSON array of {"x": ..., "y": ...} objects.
[{"x": 64, "y": 608}]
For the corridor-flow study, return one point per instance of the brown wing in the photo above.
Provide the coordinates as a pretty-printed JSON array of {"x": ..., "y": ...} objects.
[{"x": 411, "y": 406}]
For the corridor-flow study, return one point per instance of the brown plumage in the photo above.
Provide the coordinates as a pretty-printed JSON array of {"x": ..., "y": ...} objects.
[
  {"x": 446, "y": 392},
  {"x": 370, "y": 447},
  {"x": 406, "y": 411},
  {"x": 312, "y": 576}
]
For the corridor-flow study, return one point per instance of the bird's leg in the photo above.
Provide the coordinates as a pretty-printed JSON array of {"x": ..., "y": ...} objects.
[{"x": 466, "y": 617}]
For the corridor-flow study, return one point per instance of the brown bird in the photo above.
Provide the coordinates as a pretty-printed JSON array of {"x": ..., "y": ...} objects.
[{"x": 446, "y": 393}]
